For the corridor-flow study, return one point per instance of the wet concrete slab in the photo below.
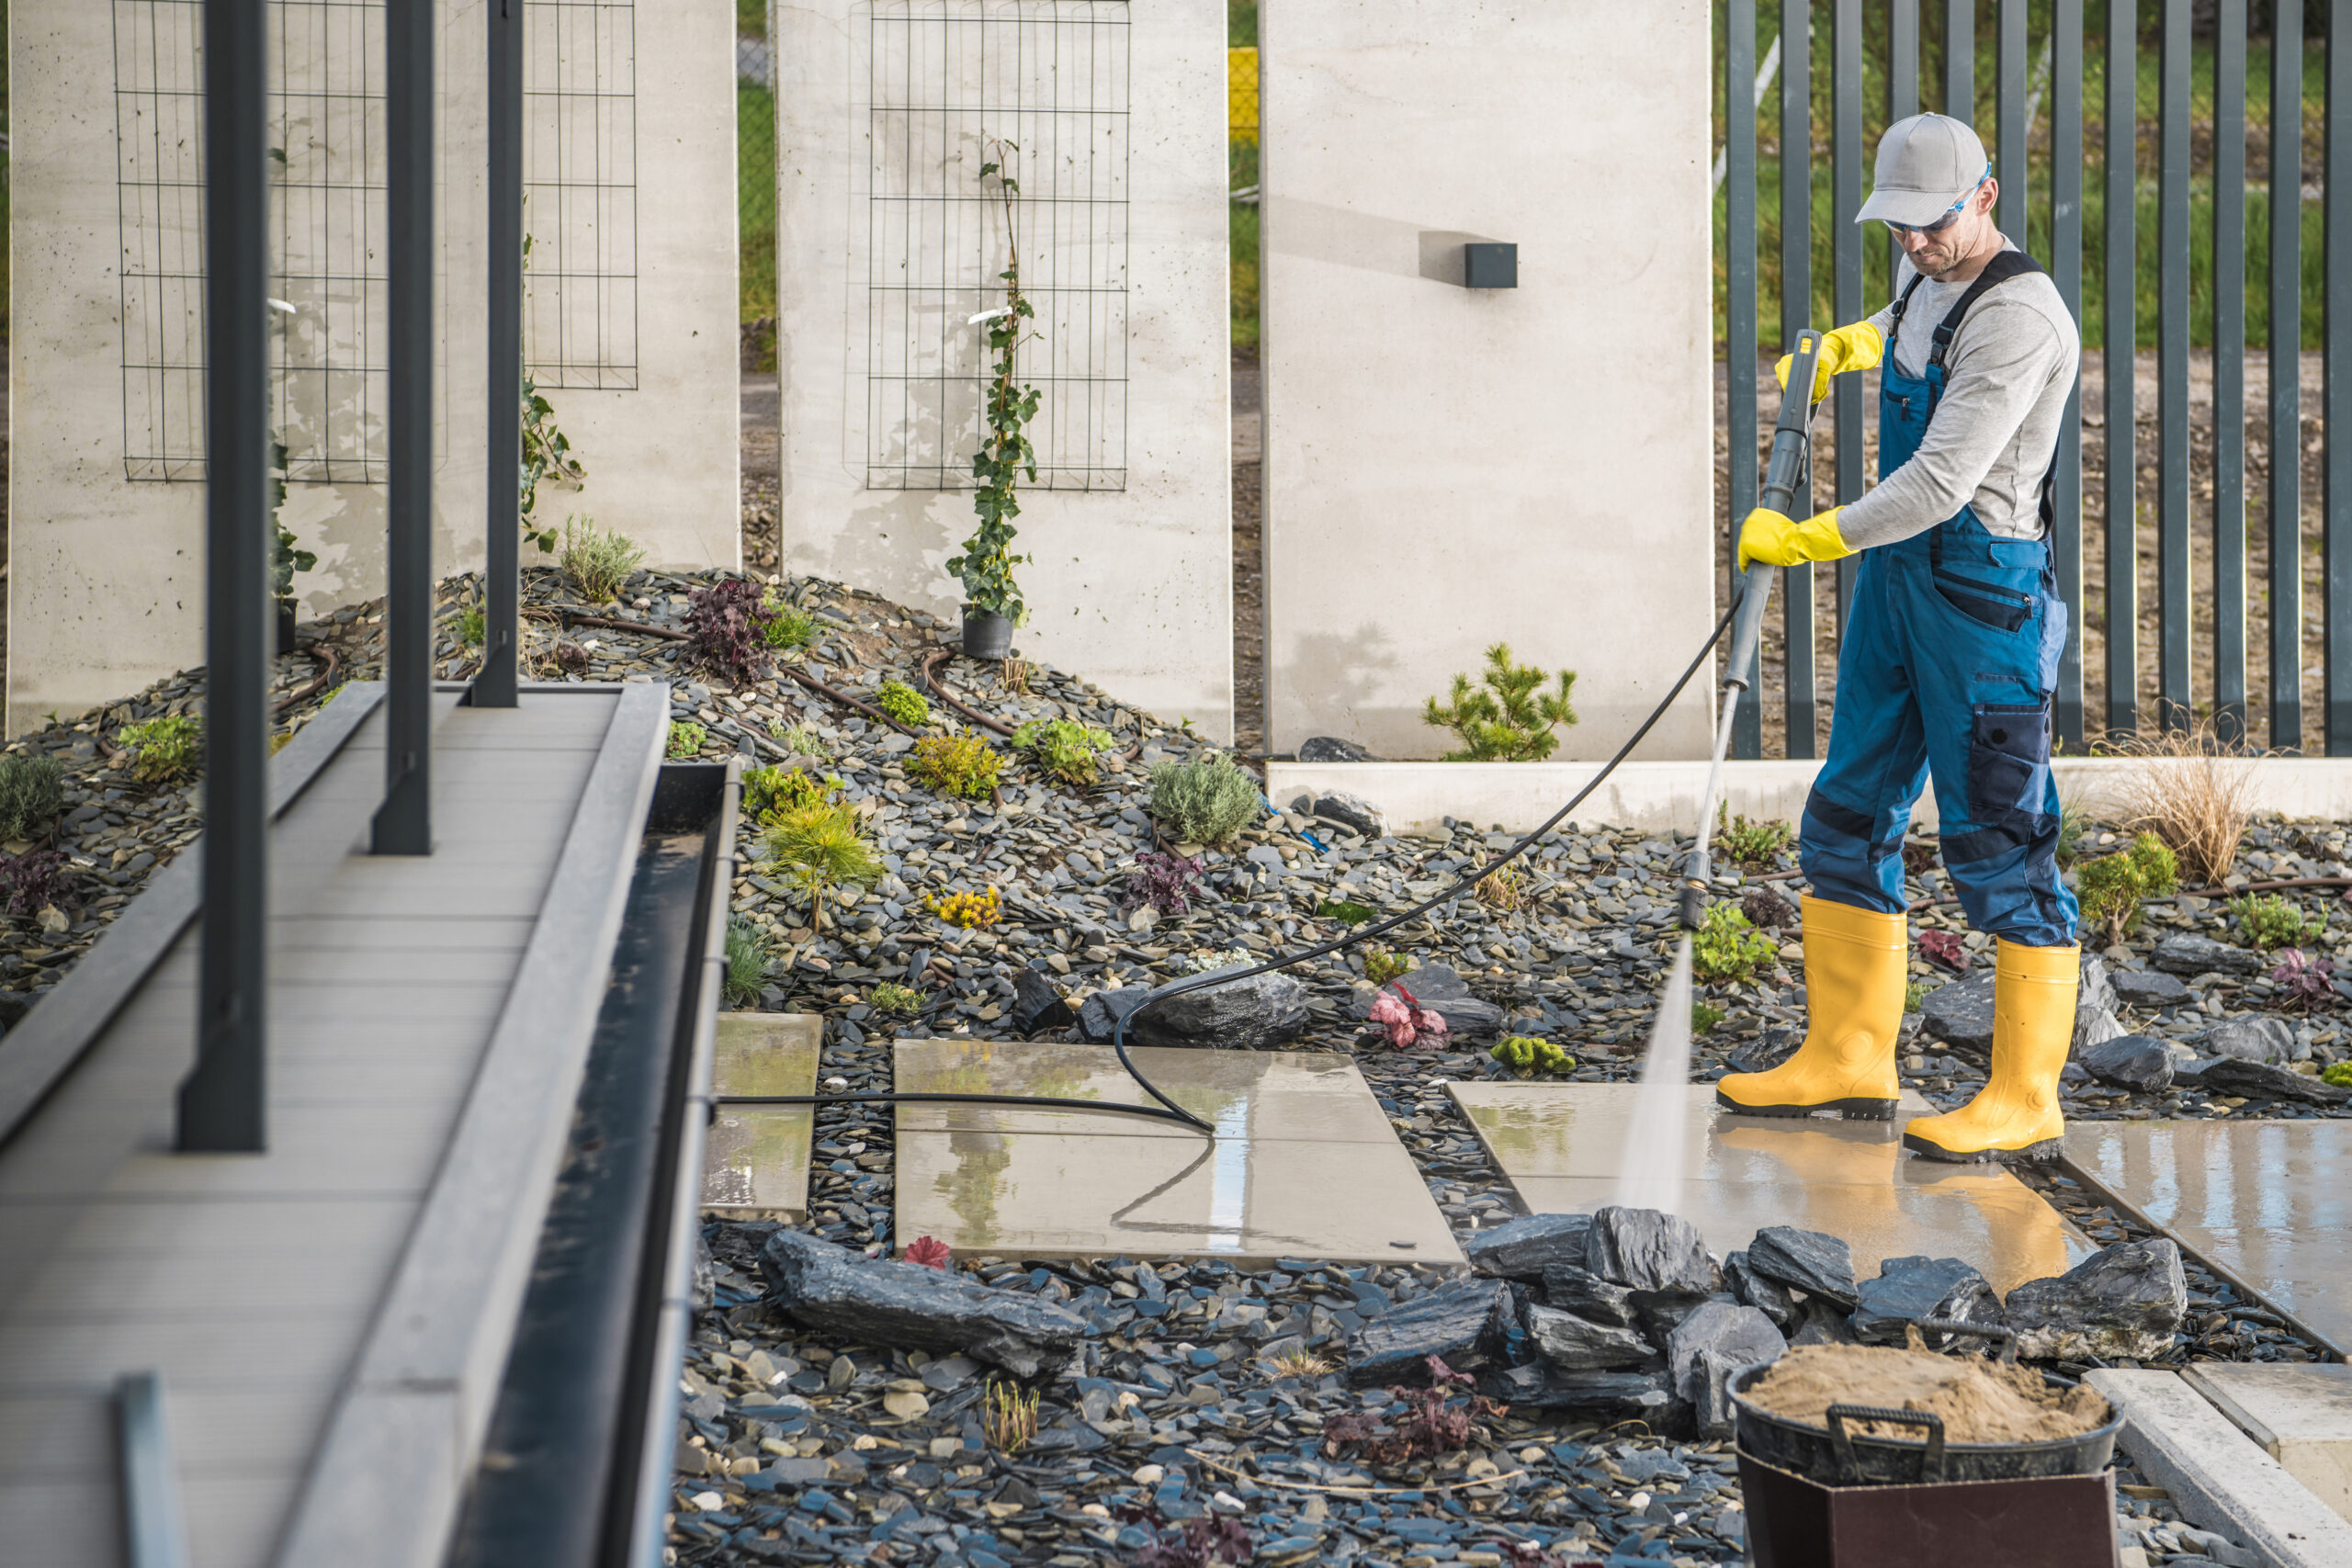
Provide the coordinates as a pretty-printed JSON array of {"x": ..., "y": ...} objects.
[
  {"x": 2268, "y": 1204},
  {"x": 1561, "y": 1146},
  {"x": 2302, "y": 1416},
  {"x": 755, "y": 1166},
  {"x": 1303, "y": 1164}
]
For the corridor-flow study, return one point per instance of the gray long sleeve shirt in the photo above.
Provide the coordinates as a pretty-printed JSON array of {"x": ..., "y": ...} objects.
[{"x": 2007, "y": 377}]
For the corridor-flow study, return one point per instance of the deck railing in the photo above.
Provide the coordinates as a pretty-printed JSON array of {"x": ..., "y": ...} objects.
[{"x": 2039, "y": 77}]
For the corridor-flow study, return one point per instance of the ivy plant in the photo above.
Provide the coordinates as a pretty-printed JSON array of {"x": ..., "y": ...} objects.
[{"x": 1005, "y": 455}]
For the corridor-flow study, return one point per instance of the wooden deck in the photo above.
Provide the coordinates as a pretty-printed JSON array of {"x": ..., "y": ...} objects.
[{"x": 330, "y": 1318}]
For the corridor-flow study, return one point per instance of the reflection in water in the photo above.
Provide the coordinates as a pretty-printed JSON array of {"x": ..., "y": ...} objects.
[{"x": 978, "y": 1180}]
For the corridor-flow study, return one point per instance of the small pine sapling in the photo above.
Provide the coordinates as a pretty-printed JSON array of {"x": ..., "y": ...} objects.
[
  {"x": 1507, "y": 719},
  {"x": 820, "y": 847},
  {"x": 2112, "y": 888},
  {"x": 2271, "y": 922}
]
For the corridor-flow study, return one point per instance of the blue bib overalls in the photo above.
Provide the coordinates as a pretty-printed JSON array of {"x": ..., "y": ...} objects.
[{"x": 1946, "y": 670}]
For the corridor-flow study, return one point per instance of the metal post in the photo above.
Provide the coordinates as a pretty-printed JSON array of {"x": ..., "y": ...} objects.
[
  {"x": 1902, "y": 92},
  {"x": 2120, "y": 134},
  {"x": 2286, "y": 488},
  {"x": 2172, "y": 372},
  {"x": 1959, "y": 59},
  {"x": 1846, "y": 250},
  {"x": 404, "y": 821},
  {"x": 154, "y": 1523},
  {"x": 2009, "y": 93},
  {"x": 1739, "y": 314},
  {"x": 2336, "y": 539},
  {"x": 223, "y": 1103},
  {"x": 1796, "y": 310},
  {"x": 2067, "y": 269},
  {"x": 2229, "y": 370},
  {"x": 502, "y": 596}
]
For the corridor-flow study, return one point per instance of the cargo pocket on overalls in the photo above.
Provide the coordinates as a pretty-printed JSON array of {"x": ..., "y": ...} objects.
[
  {"x": 2008, "y": 755},
  {"x": 2004, "y": 609}
]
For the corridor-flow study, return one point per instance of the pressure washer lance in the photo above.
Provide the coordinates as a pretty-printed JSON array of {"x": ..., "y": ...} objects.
[{"x": 1786, "y": 480}]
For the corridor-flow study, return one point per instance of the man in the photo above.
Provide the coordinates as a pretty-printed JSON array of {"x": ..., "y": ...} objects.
[{"x": 1947, "y": 665}]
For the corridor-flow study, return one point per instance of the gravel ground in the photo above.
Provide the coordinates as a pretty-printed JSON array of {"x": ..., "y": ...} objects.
[{"x": 1183, "y": 1390}]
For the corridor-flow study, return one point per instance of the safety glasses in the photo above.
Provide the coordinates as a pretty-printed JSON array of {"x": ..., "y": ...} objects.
[{"x": 1951, "y": 213}]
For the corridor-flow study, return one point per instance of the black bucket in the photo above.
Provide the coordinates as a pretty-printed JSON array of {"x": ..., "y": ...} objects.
[
  {"x": 986, "y": 636},
  {"x": 1842, "y": 1457}
]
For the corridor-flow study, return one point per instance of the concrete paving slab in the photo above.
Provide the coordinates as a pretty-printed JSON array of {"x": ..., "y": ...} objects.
[
  {"x": 2302, "y": 1415},
  {"x": 1303, "y": 1164},
  {"x": 755, "y": 1162},
  {"x": 2218, "y": 1476},
  {"x": 1561, "y": 1145},
  {"x": 2267, "y": 1204}
]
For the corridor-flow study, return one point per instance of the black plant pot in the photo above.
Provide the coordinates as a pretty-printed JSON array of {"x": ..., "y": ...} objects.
[
  {"x": 286, "y": 643},
  {"x": 986, "y": 636}
]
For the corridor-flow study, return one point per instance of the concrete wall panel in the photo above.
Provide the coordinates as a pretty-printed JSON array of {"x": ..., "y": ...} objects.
[{"x": 1448, "y": 467}]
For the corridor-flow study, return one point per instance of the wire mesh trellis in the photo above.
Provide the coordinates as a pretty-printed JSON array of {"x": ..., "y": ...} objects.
[
  {"x": 942, "y": 78},
  {"x": 327, "y": 122}
]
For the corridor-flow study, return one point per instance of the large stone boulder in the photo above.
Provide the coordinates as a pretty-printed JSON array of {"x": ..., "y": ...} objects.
[
  {"x": 908, "y": 1306},
  {"x": 1350, "y": 812},
  {"x": 2140, "y": 1062},
  {"x": 1438, "y": 988},
  {"x": 1331, "y": 748},
  {"x": 1649, "y": 1252},
  {"x": 1768, "y": 1296},
  {"x": 1038, "y": 1004},
  {"x": 1524, "y": 1248},
  {"x": 1099, "y": 1015},
  {"x": 2149, "y": 988},
  {"x": 1573, "y": 1345},
  {"x": 1253, "y": 1014},
  {"x": 2184, "y": 953},
  {"x": 1909, "y": 1289},
  {"x": 1811, "y": 1261},
  {"x": 2262, "y": 1080},
  {"x": 1462, "y": 1323},
  {"x": 1589, "y": 1296},
  {"x": 1606, "y": 1398},
  {"x": 2126, "y": 1300},
  {"x": 2247, "y": 1040},
  {"x": 1733, "y": 1336}
]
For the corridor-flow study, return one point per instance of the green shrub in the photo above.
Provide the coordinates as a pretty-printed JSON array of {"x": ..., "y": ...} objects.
[
  {"x": 747, "y": 963},
  {"x": 1380, "y": 966},
  {"x": 32, "y": 790},
  {"x": 472, "y": 629},
  {"x": 2270, "y": 921},
  {"x": 597, "y": 561},
  {"x": 2112, "y": 888},
  {"x": 2338, "y": 1073},
  {"x": 820, "y": 847},
  {"x": 1728, "y": 947},
  {"x": 1751, "y": 843},
  {"x": 903, "y": 703},
  {"x": 164, "y": 748},
  {"x": 767, "y": 791},
  {"x": 1064, "y": 748},
  {"x": 685, "y": 738},
  {"x": 1704, "y": 1016},
  {"x": 788, "y": 627},
  {"x": 1206, "y": 802},
  {"x": 1511, "y": 720},
  {"x": 1527, "y": 1057},
  {"x": 959, "y": 765},
  {"x": 891, "y": 996}
]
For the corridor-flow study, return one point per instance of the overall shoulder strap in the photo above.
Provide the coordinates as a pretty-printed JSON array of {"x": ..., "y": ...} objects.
[
  {"x": 1902, "y": 300},
  {"x": 2000, "y": 270}
]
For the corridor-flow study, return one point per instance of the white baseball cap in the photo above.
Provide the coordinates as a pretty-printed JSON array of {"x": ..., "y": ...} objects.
[{"x": 1927, "y": 166}]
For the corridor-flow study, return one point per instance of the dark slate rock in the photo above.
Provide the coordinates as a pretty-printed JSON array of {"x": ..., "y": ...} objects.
[
  {"x": 1331, "y": 748},
  {"x": 2248, "y": 1038},
  {"x": 2226, "y": 1075},
  {"x": 1709, "y": 1380},
  {"x": 1909, "y": 1289},
  {"x": 1589, "y": 1296},
  {"x": 1352, "y": 811},
  {"x": 2135, "y": 1061},
  {"x": 2149, "y": 988},
  {"x": 1253, "y": 1014},
  {"x": 1810, "y": 1261},
  {"x": 1571, "y": 1344},
  {"x": 1038, "y": 1004},
  {"x": 2183, "y": 952},
  {"x": 1590, "y": 1396},
  {"x": 1768, "y": 1296},
  {"x": 905, "y": 1305},
  {"x": 2126, "y": 1300},
  {"x": 1439, "y": 987},
  {"x": 1960, "y": 1013},
  {"x": 1822, "y": 1323},
  {"x": 1738, "y": 1335},
  {"x": 1647, "y": 1251},
  {"x": 1099, "y": 1015},
  {"x": 1524, "y": 1248},
  {"x": 1766, "y": 1051},
  {"x": 2096, "y": 988},
  {"x": 1464, "y": 1323}
]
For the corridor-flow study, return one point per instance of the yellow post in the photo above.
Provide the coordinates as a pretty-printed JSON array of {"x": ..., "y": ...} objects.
[{"x": 1241, "y": 94}]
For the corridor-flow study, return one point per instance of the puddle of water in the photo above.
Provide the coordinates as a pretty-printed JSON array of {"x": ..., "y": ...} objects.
[{"x": 1651, "y": 1175}]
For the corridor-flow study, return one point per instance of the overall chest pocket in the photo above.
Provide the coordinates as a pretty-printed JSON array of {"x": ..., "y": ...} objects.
[{"x": 2009, "y": 761}]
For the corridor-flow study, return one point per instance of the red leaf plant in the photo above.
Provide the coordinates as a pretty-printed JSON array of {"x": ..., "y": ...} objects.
[
  {"x": 1944, "y": 950},
  {"x": 1400, "y": 1012},
  {"x": 929, "y": 1251}
]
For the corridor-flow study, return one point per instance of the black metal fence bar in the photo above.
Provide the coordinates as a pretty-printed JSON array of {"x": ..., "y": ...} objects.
[
  {"x": 1796, "y": 306},
  {"x": 1739, "y": 316},
  {"x": 1846, "y": 178},
  {"x": 2009, "y": 115},
  {"x": 404, "y": 821},
  {"x": 495, "y": 686},
  {"x": 1959, "y": 59},
  {"x": 2286, "y": 486},
  {"x": 2120, "y": 148},
  {"x": 2229, "y": 370},
  {"x": 222, "y": 1106},
  {"x": 2172, "y": 369},
  {"x": 2335, "y": 541},
  {"x": 2065, "y": 263}
]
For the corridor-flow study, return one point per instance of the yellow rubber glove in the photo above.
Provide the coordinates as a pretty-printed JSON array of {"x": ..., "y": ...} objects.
[
  {"x": 1775, "y": 540},
  {"x": 1858, "y": 347}
]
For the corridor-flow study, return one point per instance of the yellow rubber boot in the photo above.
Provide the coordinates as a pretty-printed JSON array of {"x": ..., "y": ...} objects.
[
  {"x": 1855, "y": 964},
  {"x": 2016, "y": 1114}
]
